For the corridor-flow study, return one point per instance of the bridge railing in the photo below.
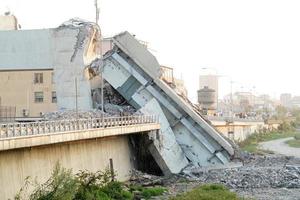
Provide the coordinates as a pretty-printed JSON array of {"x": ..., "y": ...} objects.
[{"x": 46, "y": 127}]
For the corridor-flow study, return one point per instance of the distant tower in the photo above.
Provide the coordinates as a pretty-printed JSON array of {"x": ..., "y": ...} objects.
[
  {"x": 209, "y": 80},
  {"x": 206, "y": 100}
]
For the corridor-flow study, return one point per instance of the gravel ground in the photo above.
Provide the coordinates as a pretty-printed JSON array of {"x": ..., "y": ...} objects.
[{"x": 280, "y": 147}]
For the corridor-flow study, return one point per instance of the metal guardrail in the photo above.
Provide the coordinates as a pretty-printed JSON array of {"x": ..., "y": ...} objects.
[{"x": 46, "y": 127}]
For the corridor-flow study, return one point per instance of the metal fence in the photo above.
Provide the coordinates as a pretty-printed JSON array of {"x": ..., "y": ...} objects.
[
  {"x": 46, "y": 127},
  {"x": 7, "y": 114}
]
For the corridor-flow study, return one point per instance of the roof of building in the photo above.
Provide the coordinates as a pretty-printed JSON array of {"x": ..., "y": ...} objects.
[{"x": 25, "y": 50}]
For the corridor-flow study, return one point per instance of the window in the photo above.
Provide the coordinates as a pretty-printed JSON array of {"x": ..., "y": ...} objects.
[
  {"x": 38, "y": 78},
  {"x": 54, "y": 99},
  {"x": 38, "y": 97}
]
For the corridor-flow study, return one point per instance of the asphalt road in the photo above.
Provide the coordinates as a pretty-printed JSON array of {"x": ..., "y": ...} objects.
[{"x": 280, "y": 147}]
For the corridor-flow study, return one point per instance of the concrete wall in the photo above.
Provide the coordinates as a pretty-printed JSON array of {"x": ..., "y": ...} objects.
[
  {"x": 38, "y": 162},
  {"x": 241, "y": 130},
  {"x": 18, "y": 87}
]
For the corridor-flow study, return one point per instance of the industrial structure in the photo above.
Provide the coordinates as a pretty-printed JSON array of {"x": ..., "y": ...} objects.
[
  {"x": 208, "y": 93},
  {"x": 207, "y": 100}
]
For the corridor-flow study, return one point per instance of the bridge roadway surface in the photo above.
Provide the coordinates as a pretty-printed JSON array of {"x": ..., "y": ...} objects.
[{"x": 279, "y": 146}]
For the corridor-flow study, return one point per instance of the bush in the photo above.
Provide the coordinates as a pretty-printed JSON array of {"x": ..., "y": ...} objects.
[
  {"x": 285, "y": 126},
  {"x": 64, "y": 185},
  {"x": 61, "y": 185}
]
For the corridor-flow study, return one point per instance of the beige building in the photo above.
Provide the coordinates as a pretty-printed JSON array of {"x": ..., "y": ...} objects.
[{"x": 31, "y": 92}]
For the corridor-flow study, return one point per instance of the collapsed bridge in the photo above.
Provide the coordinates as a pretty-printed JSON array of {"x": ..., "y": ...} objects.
[{"x": 185, "y": 137}]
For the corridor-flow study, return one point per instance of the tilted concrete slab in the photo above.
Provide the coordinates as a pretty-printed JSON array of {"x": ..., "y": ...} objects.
[{"x": 185, "y": 136}]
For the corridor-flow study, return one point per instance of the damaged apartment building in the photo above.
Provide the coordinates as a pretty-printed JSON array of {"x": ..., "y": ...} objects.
[{"x": 60, "y": 69}]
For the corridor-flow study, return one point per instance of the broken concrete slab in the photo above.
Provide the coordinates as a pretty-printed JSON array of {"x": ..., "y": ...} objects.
[
  {"x": 76, "y": 44},
  {"x": 134, "y": 72}
]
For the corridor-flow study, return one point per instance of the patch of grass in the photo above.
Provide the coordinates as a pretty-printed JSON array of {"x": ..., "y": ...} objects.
[
  {"x": 148, "y": 192},
  {"x": 151, "y": 192},
  {"x": 208, "y": 192},
  {"x": 293, "y": 143},
  {"x": 297, "y": 136},
  {"x": 251, "y": 143}
]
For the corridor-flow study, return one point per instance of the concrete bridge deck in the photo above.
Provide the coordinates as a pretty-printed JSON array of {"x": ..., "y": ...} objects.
[
  {"x": 21, "y": 135},
  {"x": 33, "y": 149}
]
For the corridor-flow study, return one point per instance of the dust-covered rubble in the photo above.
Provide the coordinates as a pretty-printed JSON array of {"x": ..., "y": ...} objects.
[
  {"x": 72, "y": 114},
  {"x": 268, "y": 171},
  {"x": 261, "y": 177}
]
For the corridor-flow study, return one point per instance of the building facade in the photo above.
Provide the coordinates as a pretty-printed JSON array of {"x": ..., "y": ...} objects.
[
  {"x": 35, "y": 66},
  {"x": 31, "y": 92}
]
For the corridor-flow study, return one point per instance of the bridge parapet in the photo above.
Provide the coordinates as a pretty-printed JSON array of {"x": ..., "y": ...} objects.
[{"x": 11, "y": 130}]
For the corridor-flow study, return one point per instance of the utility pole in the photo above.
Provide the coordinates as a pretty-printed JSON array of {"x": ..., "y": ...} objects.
[
  {"x": 101, "y": 69},
  {"x": 231, "y": 99},
  {"x": 97, "y": 11},
  {"x": 76, "y": 98}
]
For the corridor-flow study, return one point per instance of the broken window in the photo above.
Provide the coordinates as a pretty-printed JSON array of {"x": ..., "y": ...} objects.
[
  {"x": 38, "y": 97},
  {"x": 38, "y": 78},
  {"x": 54, "y": 98}
]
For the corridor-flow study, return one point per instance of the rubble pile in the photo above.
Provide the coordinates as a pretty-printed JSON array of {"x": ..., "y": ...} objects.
[
  {"x": 261, "y": 177},
  {"x": 72, "y": 114},
  {"x": 112, "y": 96},
  {"x": 114, "y": 103},
  {"x": 258, "y": 172},
  {"x": 140, "y": 178}
]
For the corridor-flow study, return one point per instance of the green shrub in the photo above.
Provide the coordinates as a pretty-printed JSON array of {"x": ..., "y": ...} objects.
[
  {"x": 115, "y": 191},
  {"x": 61, "y": 185}
]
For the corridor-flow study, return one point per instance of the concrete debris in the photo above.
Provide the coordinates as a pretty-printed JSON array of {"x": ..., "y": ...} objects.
[
  {"x": 112, "y": 96},
  {"x": 140, "y": 178},
  {"x": 261, "y": 177},
  {"x": 117, "y": 110},
  {"x": 72, "y": 114},
  {"x": 258, "y": 172}
]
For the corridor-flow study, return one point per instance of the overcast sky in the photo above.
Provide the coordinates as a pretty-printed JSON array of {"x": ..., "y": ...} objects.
[{"x": 255, "y": 43}]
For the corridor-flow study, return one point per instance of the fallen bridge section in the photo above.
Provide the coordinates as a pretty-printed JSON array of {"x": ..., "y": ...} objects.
[{"x": 184, "y": 136}]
